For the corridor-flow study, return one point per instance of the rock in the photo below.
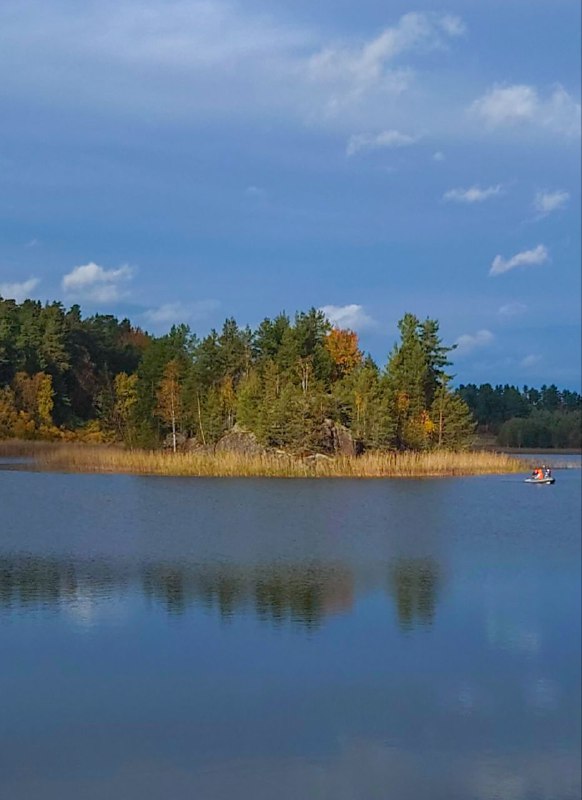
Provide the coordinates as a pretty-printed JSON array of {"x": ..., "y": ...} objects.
[
  {"x": 344, "y": 443},
  {"x": 194, "y": 445},
  {"x": 336, "y": 439},
  {"x": 317, "y": 458},
  {"x": 241, "y": 442},
  {"x": 168, "y": 443}
]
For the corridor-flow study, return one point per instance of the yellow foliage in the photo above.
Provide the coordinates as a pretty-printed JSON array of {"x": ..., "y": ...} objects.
[
  {"x": 402, "y": 402},
  {"x": 427, "y": 424}
]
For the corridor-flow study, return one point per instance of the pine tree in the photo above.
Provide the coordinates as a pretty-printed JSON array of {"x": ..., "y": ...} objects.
[
  {"x": 248, "y": 400},
  {"x": 453, "y": 425},
  {"x": 407, "y": 376}
]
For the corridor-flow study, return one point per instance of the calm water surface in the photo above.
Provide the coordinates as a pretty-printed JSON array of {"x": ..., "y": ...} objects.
[{"x": 343, "y": 640}]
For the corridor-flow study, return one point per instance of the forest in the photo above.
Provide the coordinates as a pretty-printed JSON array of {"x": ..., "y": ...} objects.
[
  {"x": 532, "y": 418},
  {"x": 99, "y": 379}
]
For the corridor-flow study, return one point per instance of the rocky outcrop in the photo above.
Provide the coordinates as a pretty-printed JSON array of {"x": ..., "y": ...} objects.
[
  {"x": 336, "y": 439},
  {"x": 241, "y": 442}
]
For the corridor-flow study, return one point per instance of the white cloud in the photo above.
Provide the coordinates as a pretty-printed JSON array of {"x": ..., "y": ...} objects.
[
  {"x": 351, "y": 316},
  {"x": 468, "y": 342},
  {"x": 512, "y": 309},
  {"x": 32, "y": 243},
  {"x": 474, "y": 194},
  {"x": 527, "y": 258},
  {"x": 503, "y": 104},
  {"x": 96, "y": 284},
  {"x": 352, "y": 71},
  {"x": 385, "y": 139},
  {"x": 521, "y": 104},
  {"x": 18, "y": 291},
  {"x": 530, "y": 361},
  {"x": 438, "y": 156},
  {"x": 176, "y": 313},
  {"x": 453, "y": 25},
  {"x": 215, "y": 57},
  {"x": 228, "y": 61},
  {"x": 545, "y": 202}
]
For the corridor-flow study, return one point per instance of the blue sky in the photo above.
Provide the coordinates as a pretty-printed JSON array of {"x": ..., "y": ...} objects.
[{"x": 187, "y": 161}]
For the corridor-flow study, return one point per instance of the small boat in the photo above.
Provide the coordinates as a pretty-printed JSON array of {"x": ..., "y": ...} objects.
[{"x": 547, "y": 481}]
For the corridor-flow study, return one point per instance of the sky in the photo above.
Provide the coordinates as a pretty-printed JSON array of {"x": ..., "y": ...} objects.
[{"x": 188, "y": 160}]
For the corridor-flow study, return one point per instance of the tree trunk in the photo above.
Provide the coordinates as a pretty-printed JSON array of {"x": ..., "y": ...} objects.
[
  {"x": 173, "y": 424},
  {"x": 200, "y": 420}
]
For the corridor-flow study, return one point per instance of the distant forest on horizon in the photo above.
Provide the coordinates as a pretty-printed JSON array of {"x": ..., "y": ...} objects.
[{"x": 100, "y": 379}]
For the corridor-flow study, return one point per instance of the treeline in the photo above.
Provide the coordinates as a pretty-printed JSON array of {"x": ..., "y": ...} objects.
[
  {"x": 527, "y": 417},
  {"x": 101, "y": 379},
  {"x": 57, "y": 369}
]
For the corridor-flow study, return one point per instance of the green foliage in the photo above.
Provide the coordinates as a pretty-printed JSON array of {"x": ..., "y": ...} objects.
[
  {"x": 454, "y": 426},
  {"x": 543, "y": 429},
  {"x": 99, "y": 378},
  {"x": 529, "y": 417},
  {"x": 415, "y": 378},
  {"x": 125, "y": 400}
]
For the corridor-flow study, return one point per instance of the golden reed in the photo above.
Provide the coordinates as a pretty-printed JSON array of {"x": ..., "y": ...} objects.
[{"x": 102, "y": 458}]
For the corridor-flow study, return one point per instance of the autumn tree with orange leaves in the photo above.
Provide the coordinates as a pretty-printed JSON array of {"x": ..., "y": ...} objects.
[{"x": 343, "y": 348}]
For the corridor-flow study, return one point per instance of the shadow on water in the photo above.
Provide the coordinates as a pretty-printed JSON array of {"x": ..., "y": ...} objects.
[{"x": 296, "y": 594}]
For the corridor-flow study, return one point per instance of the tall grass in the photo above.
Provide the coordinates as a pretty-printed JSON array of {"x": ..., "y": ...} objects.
[{"x": 85, "y": 458}]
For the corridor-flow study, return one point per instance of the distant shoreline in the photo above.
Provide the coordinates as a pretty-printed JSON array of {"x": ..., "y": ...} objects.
[
  {"x": 488, "y": 443},
  {"x": 83, "y": 458},
  {"x": 544, "y": 451}
]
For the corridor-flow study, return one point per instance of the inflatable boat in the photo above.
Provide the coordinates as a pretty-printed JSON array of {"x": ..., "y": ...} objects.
[{"x": 547, "y": 481}]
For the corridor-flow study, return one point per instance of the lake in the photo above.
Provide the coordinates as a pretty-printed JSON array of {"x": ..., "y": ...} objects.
[{"x": 301, "y": 640}]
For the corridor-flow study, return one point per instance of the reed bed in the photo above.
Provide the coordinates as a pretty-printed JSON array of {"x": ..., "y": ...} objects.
[{"x": 104, "y": 459}]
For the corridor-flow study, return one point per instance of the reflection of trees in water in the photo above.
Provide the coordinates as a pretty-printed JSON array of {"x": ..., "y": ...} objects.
[
  {"x": 36, "y": 581},
  {"x": 291, "y": 593},
  {"x": 303, "y": 594},
  {"x": 180, "y": 587},
  {"x": 300, "y": 594},
  {"x": 415, "y": 583}
]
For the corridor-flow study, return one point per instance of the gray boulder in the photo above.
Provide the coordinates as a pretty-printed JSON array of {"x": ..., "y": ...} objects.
[{"x": 241, "y": 442}]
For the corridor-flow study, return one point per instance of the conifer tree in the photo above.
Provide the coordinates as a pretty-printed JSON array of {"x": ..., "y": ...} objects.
[
  {"x": 453, "y": 425},
  {"x": 407, "y": 375}
]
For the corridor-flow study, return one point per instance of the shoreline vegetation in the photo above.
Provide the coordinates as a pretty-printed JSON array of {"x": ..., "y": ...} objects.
[
  {"x": 293, "y": 385},
  {"x": 54, "y": 457}
]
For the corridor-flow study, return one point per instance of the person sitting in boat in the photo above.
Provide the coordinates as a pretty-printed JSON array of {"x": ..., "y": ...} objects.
[
  {"x": 538, "y": 474},
  {"x": 547, "y": 472}
]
